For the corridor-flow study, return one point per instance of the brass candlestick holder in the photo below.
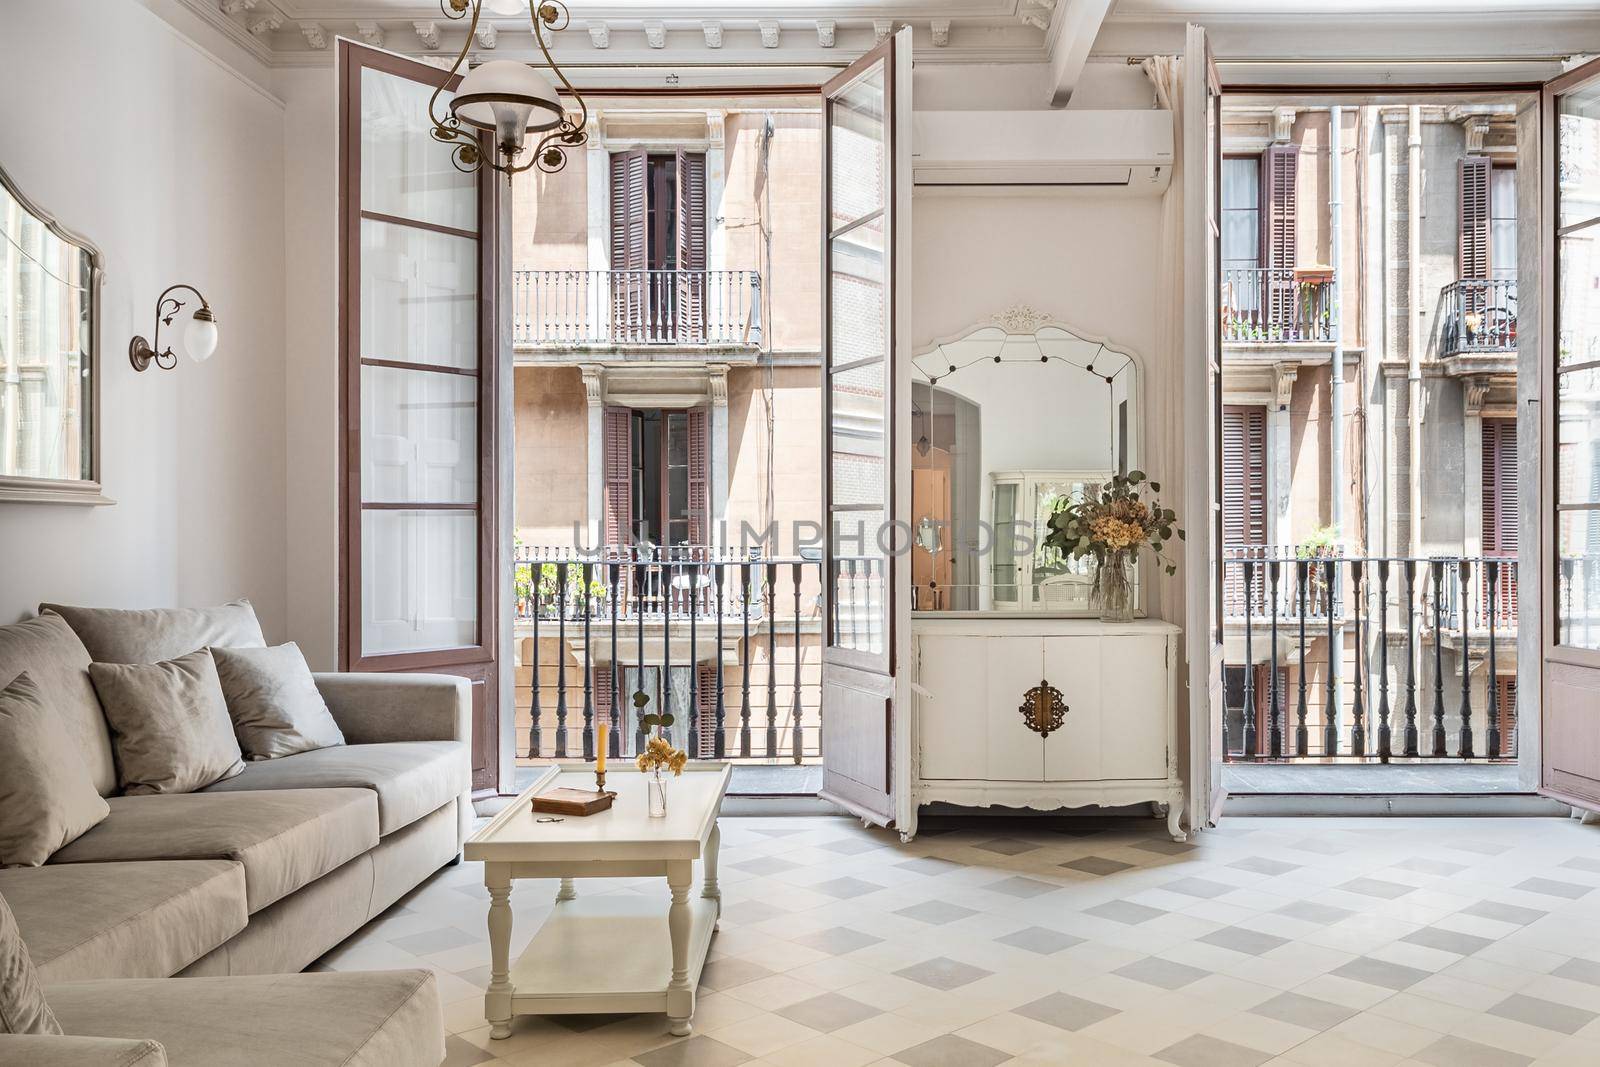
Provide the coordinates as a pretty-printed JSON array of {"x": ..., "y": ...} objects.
[{"x": 599, "y": 781}]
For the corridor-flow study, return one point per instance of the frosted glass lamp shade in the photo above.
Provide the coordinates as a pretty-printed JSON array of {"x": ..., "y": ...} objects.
[
  {"x": 509, "y": 98},
  {"x": 200, "y": 335}
]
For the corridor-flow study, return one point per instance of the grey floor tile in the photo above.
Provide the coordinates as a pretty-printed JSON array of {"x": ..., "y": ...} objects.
[
  {"x": 1424, "y": 865},
  {"x": 1377, "y": 887},
  {"x": 459, "y": 1052},
  {"x": 1263, "y": 865},
  {"x": 1309, "y": 1012},
  {"x": 1097, "y": 865},
  {"x": 1447, "y": 940},
  {"x": 1237, "y": 938},
  {"x": 930, "y": 865},
  {"x": 1203, "y": 888},
  {"x": 582, "y": 1024},
  {"x": 838, "y": 940},
  {"x": 951, "y": 1051},
  {"x": 1040, "y": 939},
  {"x": 1203, "y": 1051},
  {"x": 1152, "y": 970},
  {"x": 829, "y": 1012},
  {"x": 1066, "y": 1011},
  {"x": 429, "y": 941},
  {"x": 1396, "y": 976},
  {"x": 693, "y": 1052},
  {"x": 1583, "y": 863},
  {"x": 845, "y": 888},
  {"x": 1019, "y": 886},
  {"x": 731, "y": 971},
  {"x": 764, "y": 865},
  {"x": 1164, "y": 846},
  {"x": 1007, "y": 846},
  {"x": 1312, "y": 912},
  {"x": 851, "y": 846},
  {"x": 936, "y": 912},
  {"x": 1459, "y": 1052},
  {"x": 1481, "y": 845},
  {"x": 1579, "y": 971},
  {"x": 1125, "y": 911},
  {"x": 1505, "y": 913},
  {"x": 1545, "y": 1014},
  {"x": 1552, "y": 888},
  {"x": 743, "y": 912},
  {"x": 941, "y": 972}
]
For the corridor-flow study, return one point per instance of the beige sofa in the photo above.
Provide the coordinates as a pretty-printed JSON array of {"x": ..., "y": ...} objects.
[{"x": 263, "y": 872}]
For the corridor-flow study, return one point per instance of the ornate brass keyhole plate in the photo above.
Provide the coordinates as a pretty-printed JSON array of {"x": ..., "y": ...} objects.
[{"x": 1043, "y": 709}]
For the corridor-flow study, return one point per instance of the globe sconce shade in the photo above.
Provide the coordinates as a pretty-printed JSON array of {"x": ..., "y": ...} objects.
[
  {"x": 508, "y": 99},
  {"x": 199, "y": 333}
]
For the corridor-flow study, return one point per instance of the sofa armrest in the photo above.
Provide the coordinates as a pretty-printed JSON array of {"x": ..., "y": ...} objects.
[
  {"x": 39, "y": 1050},
  {"x": 371, "y": 708}
]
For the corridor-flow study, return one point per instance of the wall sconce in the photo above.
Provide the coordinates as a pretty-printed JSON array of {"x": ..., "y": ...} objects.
[{"x": 199, "y": 335}]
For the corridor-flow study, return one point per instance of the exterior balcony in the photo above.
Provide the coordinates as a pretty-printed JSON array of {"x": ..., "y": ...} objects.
[
  {"x": 1270, "y": 306},
  {"x": 1478, "y": 326}
]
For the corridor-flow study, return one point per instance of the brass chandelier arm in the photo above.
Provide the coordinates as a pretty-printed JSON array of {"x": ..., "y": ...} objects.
[
  {"x": 466, "y": 155},
  {"x": 142, "y": 353}
]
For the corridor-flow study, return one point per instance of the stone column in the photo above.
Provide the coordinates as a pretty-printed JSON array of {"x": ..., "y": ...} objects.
[
  {"x": 594, "y": 393},
  {"x": 720, "y": 473},
  {"x": 1279, "y": 473},
  {"x": 599, "y": 195},
  {"x": 716, "y": 181}
]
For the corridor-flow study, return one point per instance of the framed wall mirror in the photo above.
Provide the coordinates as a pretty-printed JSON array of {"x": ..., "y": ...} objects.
[
  {"x": 1009, "y": 420},
  {"x": 49, "y": 357}
]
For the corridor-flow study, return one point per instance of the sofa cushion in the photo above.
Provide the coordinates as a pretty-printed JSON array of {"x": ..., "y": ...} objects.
[
  {"x": 273, "y": 701},
  {"x": 124, "y": 920},
  {"x": 118, "y": 635},
  {"x": 284, "y": 837},
  {"x": 348, "y": 1019},
  {"x": 169, "y": 723},
  {"x": 22, "y": 1006},
  {"x": 60, "y": 1051},
  {"x": 58, "y": 663},
  {"x": 410, "y": 778},
  {"x": 46, "y": 795}
]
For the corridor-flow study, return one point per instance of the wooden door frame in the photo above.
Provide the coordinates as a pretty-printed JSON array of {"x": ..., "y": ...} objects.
[{"x": 483, "y": 657}]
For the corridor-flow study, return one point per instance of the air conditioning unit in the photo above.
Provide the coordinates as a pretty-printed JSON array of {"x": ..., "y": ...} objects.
[{"x": 1120, "y": 151}]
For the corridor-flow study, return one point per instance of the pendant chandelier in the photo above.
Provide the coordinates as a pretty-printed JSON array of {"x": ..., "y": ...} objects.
[{"x": 509, "y": 99}]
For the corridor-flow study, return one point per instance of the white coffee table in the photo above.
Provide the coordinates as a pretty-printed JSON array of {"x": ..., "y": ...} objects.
[{"x": 614, "y": 952}]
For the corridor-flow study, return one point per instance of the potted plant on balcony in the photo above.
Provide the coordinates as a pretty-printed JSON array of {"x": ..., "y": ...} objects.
[{"x": 1110, "y": 525}]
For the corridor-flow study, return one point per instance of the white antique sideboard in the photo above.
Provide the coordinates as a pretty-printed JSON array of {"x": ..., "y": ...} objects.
[{"x": 988, "y": 730}]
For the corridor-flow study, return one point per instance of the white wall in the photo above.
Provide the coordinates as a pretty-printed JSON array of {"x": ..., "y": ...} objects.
[{"x": 173, "y": 165}]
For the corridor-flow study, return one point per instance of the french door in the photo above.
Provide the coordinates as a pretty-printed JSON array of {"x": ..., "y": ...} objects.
[
  {"x": 1570, "y": 518},
  {"x": 866, "y": 223},
  {"x": 418, "y": 340}
]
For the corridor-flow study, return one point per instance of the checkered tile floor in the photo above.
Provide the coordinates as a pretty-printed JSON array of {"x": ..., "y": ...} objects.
[{"x": 1338, "y": 942}]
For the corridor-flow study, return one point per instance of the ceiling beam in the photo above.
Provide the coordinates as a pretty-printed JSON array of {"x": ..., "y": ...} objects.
[{"x": 1079, "y": 24}]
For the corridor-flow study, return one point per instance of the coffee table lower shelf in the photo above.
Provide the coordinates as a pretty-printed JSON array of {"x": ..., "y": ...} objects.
[{"x": 607, "y": 954}]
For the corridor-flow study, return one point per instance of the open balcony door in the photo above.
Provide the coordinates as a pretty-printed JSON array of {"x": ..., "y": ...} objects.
[
  {"x": 418, "y": 356},
  {"x": 1569, "y": 332},
  {"x": 1202, "y": 423},
  {"x": 866, "y": 222}
]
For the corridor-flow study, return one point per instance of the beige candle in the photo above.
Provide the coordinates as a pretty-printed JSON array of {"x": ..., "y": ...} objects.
[{"x": 600, "y": 749}]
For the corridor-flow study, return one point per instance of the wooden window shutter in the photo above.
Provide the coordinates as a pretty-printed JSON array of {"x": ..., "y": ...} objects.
[
  {"x": 706, "y": 706},
  {"x": 1244, "y": 476},
  {"x": 617, "y": 447},
  {"x": 691, "y": 296},
  {"x": 1280, "y": 251},
  {"x": 1474, "y": 234},
  {"x": 699, "y": 476},
  {"x": 602, "y": 697},
  {"x": 1501, "y": 510},
  {"x": 630, "y": 293}
]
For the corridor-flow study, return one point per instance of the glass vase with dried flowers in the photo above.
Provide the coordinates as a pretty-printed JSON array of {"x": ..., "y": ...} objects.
[
  {"x": 1111, "y": 524},
  {"x": 658, "y": 756}
]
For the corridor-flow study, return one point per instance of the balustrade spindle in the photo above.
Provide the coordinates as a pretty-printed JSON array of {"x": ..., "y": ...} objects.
[
  {"x": 1249, "y": 712},
  {"x": 666, "y": 574},
  {"x": 641, "y": 699},
  {"x": 588, "y": 667},
  {"x": 1412, "y": 738},
  {"x": 614, "y": 741},
  {"x": 1274, "y": 696},
  {"x": 1491, "y": 732},
  {"x": 535, "y": 732},
  {"x": 1384, "y": 736},
  {"x": 771, "y": 601},
  {"x": 694, "y": 659},
  {"x": 851, "y": 582},
  {"x": 795, "y": 742},
  {"x": 719, "y": 737},
  {"x": 1464, "y": 741},
  {"x": 1440, "y": 745},
  {"x": 1330, "y": 725},
  {"x": 561, "y": 660},
  {"x": 744, "y": 659},
  {"x": 1302, "y": 736},
  {"x": 1358, "y": 711},
  {"x": 866, "y": 596}
]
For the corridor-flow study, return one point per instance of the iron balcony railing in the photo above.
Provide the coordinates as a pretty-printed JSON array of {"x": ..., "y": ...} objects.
[
  {"x": 636, "y": 307},
  {"x": 1479, "y": 315},
  {"x": 727, "y": 642},
  {"x": 1340, "y": 657},
  {"x": 1274, "y": 305}
]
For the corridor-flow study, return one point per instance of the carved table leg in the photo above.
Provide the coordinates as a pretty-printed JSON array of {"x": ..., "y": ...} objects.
[
  {"x": 568, "y": 890},
  {"x": 680, "y": 994},
  {"x": 1174, "y": 811},
  {"x": 497, "y": 998},
  {"x": 711, "y": 890}
]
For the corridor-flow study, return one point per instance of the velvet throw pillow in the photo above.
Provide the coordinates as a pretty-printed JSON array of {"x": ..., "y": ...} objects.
[
  {"x": 22, "y": 1006},
  {"x": 273, "y": 701},
  {"x": 169, "y": 723},
  {"x": 47, "y": 796}
]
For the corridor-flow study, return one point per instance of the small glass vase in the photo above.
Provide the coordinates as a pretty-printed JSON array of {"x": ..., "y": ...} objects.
[
  {"x": 656, "y": 788},
  {"x": 1112, "y": 593}
]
